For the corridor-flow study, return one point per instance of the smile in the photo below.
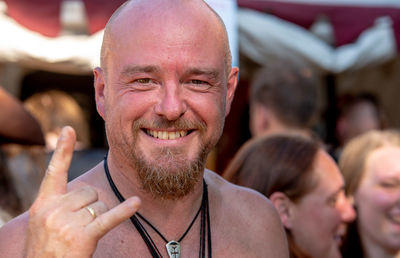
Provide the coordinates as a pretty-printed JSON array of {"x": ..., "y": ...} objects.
[{"x": 165, "y": 135}]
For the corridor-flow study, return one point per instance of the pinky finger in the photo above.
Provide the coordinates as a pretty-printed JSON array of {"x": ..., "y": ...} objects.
[{"x": 112, "y": 218}]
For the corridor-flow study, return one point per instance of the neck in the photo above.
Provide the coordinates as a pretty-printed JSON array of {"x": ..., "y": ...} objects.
[{"x": 159, "y": 211}]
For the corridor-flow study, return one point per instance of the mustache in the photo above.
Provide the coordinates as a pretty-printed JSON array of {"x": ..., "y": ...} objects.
[{"x": 162, "y": 123}]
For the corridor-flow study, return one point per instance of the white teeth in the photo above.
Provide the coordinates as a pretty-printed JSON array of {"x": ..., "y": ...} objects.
[{"x": 164, "y": 135}]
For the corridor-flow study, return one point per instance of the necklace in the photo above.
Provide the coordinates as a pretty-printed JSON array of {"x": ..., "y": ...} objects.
[{"x": 173, "y": 247}]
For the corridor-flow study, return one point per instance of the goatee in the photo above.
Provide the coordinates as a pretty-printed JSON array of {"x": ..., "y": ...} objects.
[{"x": 169, "y": 177}]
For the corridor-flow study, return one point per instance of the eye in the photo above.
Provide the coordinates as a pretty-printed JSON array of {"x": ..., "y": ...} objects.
[
  {"x": 199, "y": 85},
  {"x": 144, "y": 80},
  {"x": 198, "y": 82},
  {"x": 143, "y": 84},
  {"x": 333, "y": 200},
  {"x": 390, "y": 184}
]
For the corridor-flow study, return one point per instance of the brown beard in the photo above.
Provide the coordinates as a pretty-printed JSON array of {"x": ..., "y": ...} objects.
[{"x": 168, "y": 177}]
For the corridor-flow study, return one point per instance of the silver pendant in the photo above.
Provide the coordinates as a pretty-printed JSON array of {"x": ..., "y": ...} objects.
[{"x": 173, "y": 249}]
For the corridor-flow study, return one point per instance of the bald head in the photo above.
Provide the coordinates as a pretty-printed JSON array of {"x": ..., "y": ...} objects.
[{"x": 147, "y": 14}]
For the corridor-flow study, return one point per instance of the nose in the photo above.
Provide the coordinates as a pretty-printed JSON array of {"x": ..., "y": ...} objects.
[
  {"x": 171, "y": 105},
  {"x": 346, "y": 209}
]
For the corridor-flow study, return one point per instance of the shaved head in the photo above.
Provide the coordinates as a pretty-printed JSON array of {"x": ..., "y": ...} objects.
[{"x": 136, "y": 11}]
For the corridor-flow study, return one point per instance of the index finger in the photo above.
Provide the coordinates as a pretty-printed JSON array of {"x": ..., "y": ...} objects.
[{"x": 55, "y": 179}]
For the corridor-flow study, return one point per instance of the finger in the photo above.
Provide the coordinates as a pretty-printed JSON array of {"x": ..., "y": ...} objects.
[
  {"x": 109, "y": 220},
  {"x": 84, "y": 216},
  {"x": 55, "y": 179},
  {"x": 79, "y": 198}
]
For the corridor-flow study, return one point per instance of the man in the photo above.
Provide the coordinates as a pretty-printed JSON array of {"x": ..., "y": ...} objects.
[
  {"x": 283, "y": 99},
  {"x": 357, "y": 114},
  {"x": 164, "y": 88}
]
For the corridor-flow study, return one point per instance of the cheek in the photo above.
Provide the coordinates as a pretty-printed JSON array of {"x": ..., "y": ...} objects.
[
  {"x": 372, "y": 206},
  {"x": 319, "y": 220},
  {"x": 210, "y": 109},
  {"x": 378, "y": 199}
]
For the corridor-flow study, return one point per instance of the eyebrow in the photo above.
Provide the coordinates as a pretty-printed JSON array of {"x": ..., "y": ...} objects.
[
  {"x": 214, "y": 74},
  {"x": 129, "y": 70}
]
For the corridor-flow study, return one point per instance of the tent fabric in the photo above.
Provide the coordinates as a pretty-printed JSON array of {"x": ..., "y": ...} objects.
[
  {"x": 43, "y": 16},
  {"x": 341, "y": 15},
  {"x": 37, "y": 15},
  {"x": 65, "y": 54},
  {"x": 263, "y": 37}
]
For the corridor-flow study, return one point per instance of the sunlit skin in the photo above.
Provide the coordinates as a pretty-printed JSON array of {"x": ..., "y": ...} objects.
[
  {"x": 319, "y": 218},
  {"x": 378, "y": 203}
]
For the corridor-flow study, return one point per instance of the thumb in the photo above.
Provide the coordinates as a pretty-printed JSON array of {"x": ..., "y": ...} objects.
[{"x": 109, "y": 220}]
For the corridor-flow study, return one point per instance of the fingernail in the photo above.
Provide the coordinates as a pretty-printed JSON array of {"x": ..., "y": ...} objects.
[{"x": 136, "y": 202}]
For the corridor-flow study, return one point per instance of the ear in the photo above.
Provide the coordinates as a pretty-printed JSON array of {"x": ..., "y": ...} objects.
[
  {"x": 341, "y": 128},
  {"x": 259, "y": 119},
  {"x": 99, "y": 87},
  {"x": 231, "y": 87},
  {"x": 284, "y": 207}
]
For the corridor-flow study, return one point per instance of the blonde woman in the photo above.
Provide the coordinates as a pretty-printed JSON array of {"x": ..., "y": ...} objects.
[{"x": 371, "y": 167}]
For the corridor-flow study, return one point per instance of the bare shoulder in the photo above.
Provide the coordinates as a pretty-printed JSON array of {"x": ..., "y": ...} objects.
[
  {"x": 241, "y": 199},
  {"x": 13, "y": 236},
  {"x": 246, "y": 219}
]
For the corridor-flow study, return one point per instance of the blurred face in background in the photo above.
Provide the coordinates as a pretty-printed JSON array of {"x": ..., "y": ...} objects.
[
  {"x": 318, "y": 219},
  {"x": 378, "y": 200},
  {"x": 363, "y": 117}
]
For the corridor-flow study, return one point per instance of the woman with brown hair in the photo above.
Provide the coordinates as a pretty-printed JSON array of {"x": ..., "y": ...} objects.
[
  {"x": 305, "y": 186},
  {"x": 371, "y": 167}
]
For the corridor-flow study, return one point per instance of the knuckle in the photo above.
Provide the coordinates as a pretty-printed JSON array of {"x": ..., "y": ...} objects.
[
  {"x": 50, "y": 219},
  {"x": 67, "y": 233},
  {"x": 34, "y": 209},
  {"x": 91, "y": 192},
  {"x": 103, "y": 207},
  {"x": 101, "y": 227}
]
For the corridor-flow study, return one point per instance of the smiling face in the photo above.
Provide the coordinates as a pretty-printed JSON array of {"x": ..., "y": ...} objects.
[
  {"x": 378, "y": 200},
  {"x": 318, "y": 220},
  {"x": 165, "y": 91}
]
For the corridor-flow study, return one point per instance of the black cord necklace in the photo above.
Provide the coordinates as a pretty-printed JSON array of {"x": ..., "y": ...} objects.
[{"x": 173, "y": 247}]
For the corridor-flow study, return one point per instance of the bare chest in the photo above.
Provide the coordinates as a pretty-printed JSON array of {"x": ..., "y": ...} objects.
[{"x": 125, "y": 241}]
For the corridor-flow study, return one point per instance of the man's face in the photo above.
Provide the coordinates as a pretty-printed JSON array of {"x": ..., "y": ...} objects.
[
  {"x": 378, "y": 200},
  {"x": 165, "y": 99},
  {"x": 320, "y": 217}
]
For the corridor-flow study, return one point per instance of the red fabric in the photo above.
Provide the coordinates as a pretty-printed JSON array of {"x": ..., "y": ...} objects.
[
  {"x": 348, "y": 21},
  {"x": 99, "y": 11},
  {"x": 37, "y": 15}
]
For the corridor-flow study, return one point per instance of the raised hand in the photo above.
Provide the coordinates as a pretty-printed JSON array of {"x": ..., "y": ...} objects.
[{"x": 69, "y": 224}]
